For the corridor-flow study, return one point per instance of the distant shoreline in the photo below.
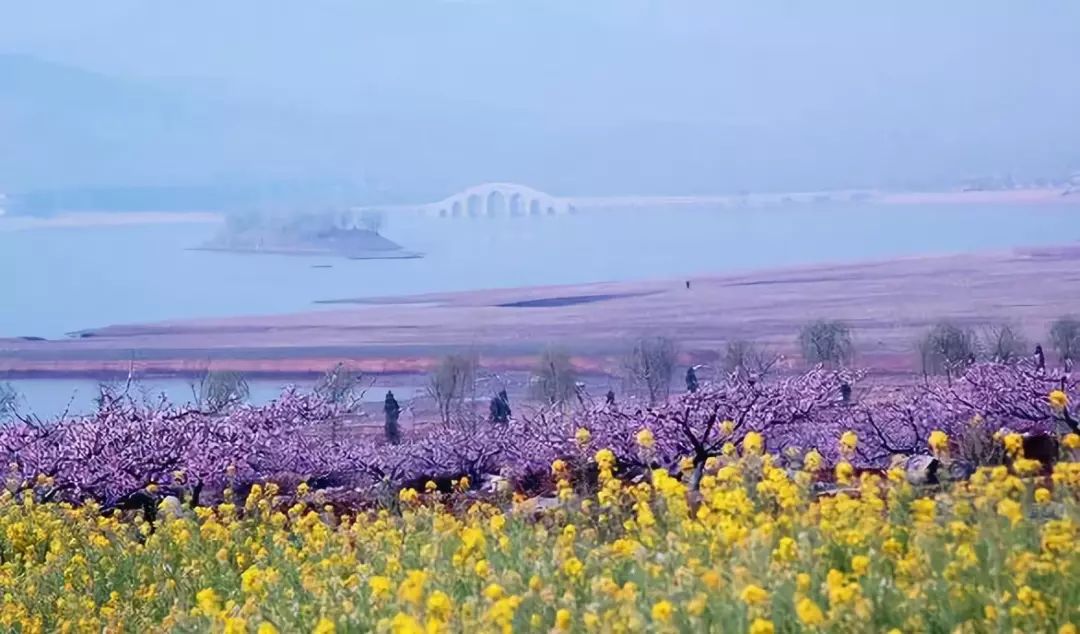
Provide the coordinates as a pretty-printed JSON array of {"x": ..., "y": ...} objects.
[
  {"x": 107, "y": 219},
  {"x": 980, "y": 197},
  {"x": 1030, "y": 196},
  {"x": 810, "y": 199}
]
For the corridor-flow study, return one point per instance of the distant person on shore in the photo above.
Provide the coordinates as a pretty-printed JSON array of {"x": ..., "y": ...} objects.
[
  {"x": 500, "y": 408},
  {"x": 691, "y": 380},
  {"x": 393, "y": 411}
]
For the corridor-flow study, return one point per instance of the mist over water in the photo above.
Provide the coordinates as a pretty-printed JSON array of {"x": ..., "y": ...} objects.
[{"x": 64, "y": 280}]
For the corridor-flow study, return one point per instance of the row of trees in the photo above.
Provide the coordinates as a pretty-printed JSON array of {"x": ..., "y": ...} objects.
[
  {"x": 946, "y": 345},
  {"x": 646, "y": 371},
  {"x": 217, "y": 391},
  {"x": 246, "y": 226}
]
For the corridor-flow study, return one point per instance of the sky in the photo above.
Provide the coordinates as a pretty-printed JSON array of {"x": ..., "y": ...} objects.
[{"x": 572, "y": 96}]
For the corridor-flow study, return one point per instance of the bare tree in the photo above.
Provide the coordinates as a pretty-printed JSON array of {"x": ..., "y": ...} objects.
[
  {"x": 115, "y": 390},
  {"x": 220, "y": 391},
  {"x": 649, "y": 366},
  {"x": 453, "y": 384},
  {"x": 827, "y": 342},
  {"x": 1065, "y": 337},
  {"x": 554, "y": 380},
  {"x": 341, "y": 385},
  {"x": 945, "y": 347},
  {"x": 372, "y": 220},
  {"x": 9, "y": 399},
  {"x": 747, "y": 358},
  {"x": 1003, "y": 342}
]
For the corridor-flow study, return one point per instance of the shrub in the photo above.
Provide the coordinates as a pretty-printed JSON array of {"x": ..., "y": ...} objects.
[
  {"x": 827, "y": 342},
  {"x": 649, "y": 367},
  {"x": 453, "y": 384},
  {"x": 554, "y": 380},
  {"x": 1004, "y": 343},
  {"x": 1065, "y": 337},
  {"x": 945, "y": 347},
  {"x": 220, "y": 391}
]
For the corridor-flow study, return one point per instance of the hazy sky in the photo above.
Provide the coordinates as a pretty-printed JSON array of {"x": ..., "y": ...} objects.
[{"x": 609, "y": 95}]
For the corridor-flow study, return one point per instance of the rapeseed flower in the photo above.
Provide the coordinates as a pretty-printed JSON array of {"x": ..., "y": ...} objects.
[
  {"x": 662, "y": 611},
  {"x": 563, "y": 619},
  {"x": 848, "y": 442},
  {"x": 808, "y": 612},
  {"x": 939, "y": 442},
  {"x": 380, "y": 586},
  {"x": 845, "y": 473},
  {"x": 646, "y": 439},
  {"x": 754, "y": 595},
  {"x": 753, "y": 444},
  {"x": 1058, "y": 400},
  {"x": 1014, "y": 444},
  {"x": 755, "y": 543}
]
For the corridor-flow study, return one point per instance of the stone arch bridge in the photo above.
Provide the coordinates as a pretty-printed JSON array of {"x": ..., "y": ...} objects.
[
  {"x": 492, "y": 200},
  {"x": 498, "y": 199}
]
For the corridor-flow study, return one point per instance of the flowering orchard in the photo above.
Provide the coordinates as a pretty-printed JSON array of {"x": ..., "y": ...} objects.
[
  {"x": 125, "y": 447},
  {"x": 765, "y": 506}
]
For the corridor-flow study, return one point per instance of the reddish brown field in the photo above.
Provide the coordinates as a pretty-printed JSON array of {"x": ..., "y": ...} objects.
[{"x": 887, "y": 303}]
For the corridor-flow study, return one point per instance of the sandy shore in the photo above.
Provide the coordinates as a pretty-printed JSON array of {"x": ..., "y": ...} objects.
[
  {"x": 1004, "y": 197},
  {"x": 1027, "y": 196},
  {"x": 888, "y": 303}
]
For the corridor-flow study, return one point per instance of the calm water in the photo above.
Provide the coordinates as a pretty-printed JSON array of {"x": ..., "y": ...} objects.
[
  {"x": 54, "y": 281},
  {"x": 48, "y": 398}
]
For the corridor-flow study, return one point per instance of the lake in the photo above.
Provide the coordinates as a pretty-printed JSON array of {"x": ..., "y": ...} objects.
[{"x": 58, "y": 280}]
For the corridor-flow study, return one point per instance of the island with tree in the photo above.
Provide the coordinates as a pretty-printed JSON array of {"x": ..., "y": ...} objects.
[{"x": 344, "y": 234}]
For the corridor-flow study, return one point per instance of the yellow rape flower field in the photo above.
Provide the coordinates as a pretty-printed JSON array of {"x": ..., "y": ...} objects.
[{"x": 753, "y": 549}]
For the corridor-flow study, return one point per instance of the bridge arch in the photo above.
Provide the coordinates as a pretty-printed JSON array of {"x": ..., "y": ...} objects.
[
  {"x": 498, "y": 200},
  {"x": 496, "y": 204},
  {"x": 474, "y": 203}
]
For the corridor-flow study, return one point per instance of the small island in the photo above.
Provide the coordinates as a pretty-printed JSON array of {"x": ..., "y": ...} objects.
[{"x": 342, "y": 234}]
